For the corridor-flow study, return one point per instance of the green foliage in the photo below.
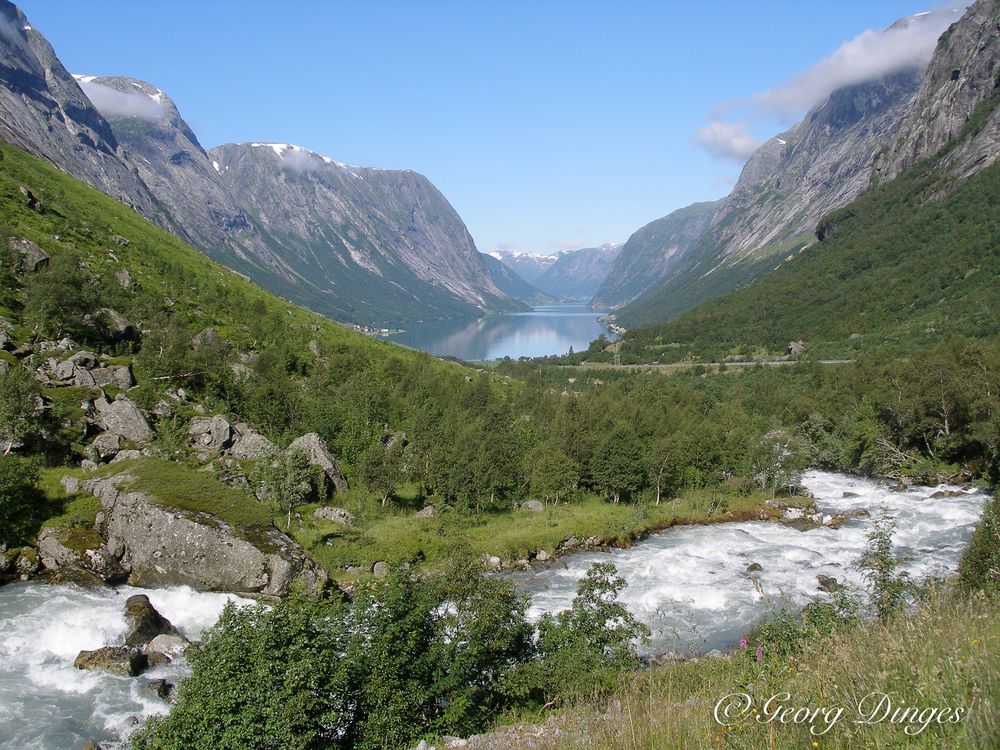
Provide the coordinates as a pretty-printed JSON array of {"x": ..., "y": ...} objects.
[
  {"x": 380, "y": 469},
  {"x": 554, "y": 475},
  {"x": 887, "y": 586},
  {"x": 61, "y": 300},
  {"x": 21, "y": 504},
  {"x": 583, "y": 650},
  {"x": 285, "y": 479},
  {"x": 618, "y": 466},
  {"x": 980, "y": 566},
  {"x": 18, "y": 402}
]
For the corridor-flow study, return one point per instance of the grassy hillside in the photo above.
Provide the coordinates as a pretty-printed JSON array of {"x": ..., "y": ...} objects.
[{"x": 896, "y": 268}]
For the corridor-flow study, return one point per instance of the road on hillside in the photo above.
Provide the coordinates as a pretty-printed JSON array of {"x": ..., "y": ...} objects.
[{"x": 686, "y": 365}]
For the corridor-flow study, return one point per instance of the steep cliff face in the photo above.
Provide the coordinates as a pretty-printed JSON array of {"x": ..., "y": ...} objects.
[
  {"x": 515, "y": 287},
  {"x": 173, "y": 165},
  {"x": 43, "y": 110},
  {"x": 651, "y": 252},
  {"x": 958, "y": 99},
  {"x": 365, "y": 244},
  {"x": 786, "y": 187}
]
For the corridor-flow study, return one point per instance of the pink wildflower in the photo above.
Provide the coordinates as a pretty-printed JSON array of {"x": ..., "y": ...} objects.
[
  {"x": 744, "y": 642},
  {"x": 760, "y": 653}
]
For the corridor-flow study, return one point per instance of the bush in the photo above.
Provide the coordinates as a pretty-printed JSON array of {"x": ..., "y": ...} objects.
[
  {"x": 21, "y": 504},
  {"x": 979, "y": 569}
]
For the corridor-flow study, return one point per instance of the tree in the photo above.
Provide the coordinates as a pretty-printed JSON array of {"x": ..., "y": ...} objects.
[
  {"x": 21, "y": 504},
  {"x": 879, "y": 567},
  {"x": 778, "y": 460},
  {"x": 618, "y": 467},
  {"x": 285, "y": 479},
  {"x": 18, "y": 404},
  {"x": 588, "y": 645},
  {"x": 379, "y": 468},
  {"x": 59, "y": 299},
  {"x": 553, "y": 473}
]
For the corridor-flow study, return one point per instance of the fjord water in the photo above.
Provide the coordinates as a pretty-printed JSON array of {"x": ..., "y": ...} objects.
[
  {"x": 48, "y": 704},
  {"x": 545, "y": 330},
  {"x": 690, "y": 584}
]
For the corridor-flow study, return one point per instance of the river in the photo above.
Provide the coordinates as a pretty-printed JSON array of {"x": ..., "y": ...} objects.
[
  {"x": 545, "y": 330},
  {"x": 689, "y": 584}
]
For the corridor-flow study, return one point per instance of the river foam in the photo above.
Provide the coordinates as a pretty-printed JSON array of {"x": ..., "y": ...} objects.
[
  {"x": 691, "y": 586},
  {"x": 45, "y": 702}
]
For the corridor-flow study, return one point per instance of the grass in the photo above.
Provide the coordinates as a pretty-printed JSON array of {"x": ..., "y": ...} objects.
[
  {"x": 178, "y": 486},
  {"x": 946, "y": 654},
  {"x": 397, "y": 535}
]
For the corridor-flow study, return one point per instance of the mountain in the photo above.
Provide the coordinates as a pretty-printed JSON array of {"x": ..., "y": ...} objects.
[
  {"x": 651, "y": 253},
  {"x": 569, "y": 274},
  {"x": 961, "y": 76},
  {"x": 511, "y": 284},
  {"x": 364, "y": 244},
  {"x": 358, "y": 244},
  {"x": 174, "y": 166},
  {"x": 43, "y": 111},
  {"x": 906, "y": 264},
  {"x": 529, "y": 266},
  {"x": 578, "y": 274},
  {"x": 785, "y": 188}
]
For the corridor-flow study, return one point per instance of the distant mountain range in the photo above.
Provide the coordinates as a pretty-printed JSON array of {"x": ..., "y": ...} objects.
[
  {"x": 572, "y": 275},
  {"x": 357, "y": 244}
]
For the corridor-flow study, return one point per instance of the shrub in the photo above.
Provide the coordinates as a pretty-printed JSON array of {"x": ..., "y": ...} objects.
[{"x": 980, "y": 565}]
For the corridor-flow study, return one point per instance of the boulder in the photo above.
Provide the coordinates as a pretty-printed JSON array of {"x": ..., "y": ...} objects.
[
  {"x": 214, "y": 433},
  {"x": 542, "y": 556},
  {"x": 319, "y": 454},
  {"x": 144, "y": 622},
  {"x": 129, "y": 454},
  {"x": 492, "y": 562},
  {"x": 120, "y": 660},
  {"x": 163, "y": 546},
  {"x": 119, "y": 377},
  {"x": 535, "y": 506},
  {"x": 337, "y": 515},
  {"x": 754, "y": 567},
  {"x": 32, "y": 257},
  {"x": 70, "y": 484},
  {"x": 828, "y": 583},
  {"x": 67, "y": 549},
  {"x": 122, "y": 417},
  {"x": 170, "y": 646},
  {"x": 426, "y": 512},
  {"x": 946, "y": 493},
  {"x": 380, "y": 569},
  {"x": 252, "y": 446},
  {"x": 124, "y": 278},
  {"x": 117, "y": 326},
  {"x": 27, "y": 563},
  {"x": 159, "y": 688},
  {"x": 105, "y": 446},
  {"x": 6, "y": 334},
  {"x": 850, "y": 494},
  {"x": 4, "y": 367}
]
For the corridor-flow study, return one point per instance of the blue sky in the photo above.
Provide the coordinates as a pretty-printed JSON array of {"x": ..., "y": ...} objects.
[{"x": 547, "y": 125}]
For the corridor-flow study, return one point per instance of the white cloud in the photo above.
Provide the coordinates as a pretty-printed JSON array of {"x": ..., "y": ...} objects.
[
  {"x": 113, "y": 103},
  {"x": 867, "y": 57},
  {"x": 907, "y": 44},
  {"x": 727, "y": 140}
]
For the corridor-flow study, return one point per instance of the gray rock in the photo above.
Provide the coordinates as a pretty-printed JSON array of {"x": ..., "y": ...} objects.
[
  {"x": 380, "y": 569},
  {"x": 122, "y": 417},
  {"x": 542, "y": 556},
  {"x": 4, "y": 367},
  {"x": 252, "y": 446},
  {"x": 123, "y": 277},
  {"x": 70, "y": 484},
  {"x": 33, "y": 258},
  {"x": 209, "y": 338},
  {"x": 170, "y": 646},
  {"x": 319, "y": 454},
  {"x": 82, "y": 549},
  {"x": 120, "y": 376},
  {"x": 214, "y": 433},
  {"x": 120, "y": 660},
  {"x": 163, "y": 546},
  {"x": 88, "y": 465},
  {"x": 117, "y": 325},
  {"x": 492, "y": 562},
  {"x": 83, "y": 359},
  {"x": 159, "y": 688},
  {"x": 754, "y": 567},
  {"x": 850, "y": 494},
  {"x": 535, "y": 506},
  {"x": 337, "y": 515},
  {"x": 105, "y": 446},
  {"x": 426, "y": 512},
  {"x": 143, "y": 622},
  {"x": 129, "y": 454}
]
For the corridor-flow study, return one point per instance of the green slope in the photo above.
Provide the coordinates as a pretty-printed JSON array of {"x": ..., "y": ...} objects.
[{"x": 899, "y": 267}]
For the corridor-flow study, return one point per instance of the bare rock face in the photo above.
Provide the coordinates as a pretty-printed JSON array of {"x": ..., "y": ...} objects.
[
  {"x": 33, "y": 258},
  {"x": 252, "y": 446},
  {"x": 962, "y": 75},
  {"x": 122, "y": 417},
  {"x": 337, "y": 515},
  {"x": 319, "y": 454},
  {"x": 214, "y": 433},
  {"x": 163, "y": 546}
]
